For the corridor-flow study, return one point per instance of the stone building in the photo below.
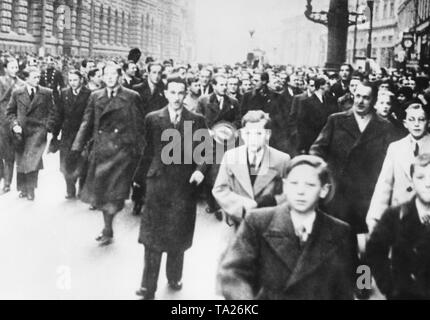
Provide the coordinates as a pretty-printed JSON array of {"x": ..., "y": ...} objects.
[
  {"x": 160, "y": 28},
  {"x": 385, "y": 35}
]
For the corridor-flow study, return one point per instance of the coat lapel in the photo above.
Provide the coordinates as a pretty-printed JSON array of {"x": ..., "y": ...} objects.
[
  {"x": 318, "y": 247},
  {"x": 350, "y": 125},
  {"x": 265, "y": 175},
  {"x": 281, "y": 237},
  {"x": 372, "y": 129},
  {"x": 113, "y": 104},
  {"x": 35, "y": 102}
]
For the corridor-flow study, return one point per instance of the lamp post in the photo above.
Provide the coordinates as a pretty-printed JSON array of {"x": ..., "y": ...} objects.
[
  {"x": 337, "y": 20},
  {"x": 369, "y": 41}
]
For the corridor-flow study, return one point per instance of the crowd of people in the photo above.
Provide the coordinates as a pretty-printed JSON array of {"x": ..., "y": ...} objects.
[{"x": 317, "y": 172}]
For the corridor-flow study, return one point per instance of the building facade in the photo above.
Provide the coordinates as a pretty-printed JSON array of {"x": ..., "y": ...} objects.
[
  {"x": 303, "y": 42},
  {"x": 160, "y": 28},
  {"x": 385, "y": 34},
  {"x": 414, "y": 17}
]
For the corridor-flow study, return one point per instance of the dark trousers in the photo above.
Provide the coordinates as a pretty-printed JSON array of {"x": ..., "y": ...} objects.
[
  {"x": 71, "y": 185},
  {"x": 151, "y": 269},
  {"x": 27, "y": 182},
  {"x": 6, "y": 171}
]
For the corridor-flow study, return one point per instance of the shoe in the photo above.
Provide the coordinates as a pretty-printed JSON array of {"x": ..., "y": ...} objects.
[
  {"x": 137, "y": 209},
  {"x": 144, "y": 294},
  {"x": 175, "y": 285},
  {"x": 104, "y": 240},
  {"x": 6, "y": 189},
  {"x": 70, "y": 197},
  {"x": 218, "y": 215},
  {"x": 30, "y": 196},
  {"x": 92, "y": 208},
  {"x": 22, "y": 195}
]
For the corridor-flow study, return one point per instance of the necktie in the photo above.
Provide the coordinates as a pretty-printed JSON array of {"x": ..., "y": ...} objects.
[
  {"x": 417, "y": 150},
  {"x": 177, "y": 119},
  {"x": 221, "y": 102},
  {"x": 111, "y": 95},
  {"x": 302, "y": 235},
  {"x": 32, "y": 94}
]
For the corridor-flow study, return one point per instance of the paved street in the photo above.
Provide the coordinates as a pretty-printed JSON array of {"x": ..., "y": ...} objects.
[{"x": 48, "y": 251}]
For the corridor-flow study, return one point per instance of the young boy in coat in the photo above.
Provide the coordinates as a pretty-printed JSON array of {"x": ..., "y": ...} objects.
[
  {"x": 399, "y": 247},
  {"x": 394, "y": 185},
  {"x": 293, "y": 251}
]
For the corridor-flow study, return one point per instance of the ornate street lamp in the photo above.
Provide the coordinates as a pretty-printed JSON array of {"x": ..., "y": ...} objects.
[{"x": 337, "y": 20}]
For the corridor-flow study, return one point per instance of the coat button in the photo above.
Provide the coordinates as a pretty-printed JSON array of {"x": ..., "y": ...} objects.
[
  {"x": 116, "y": 130},
  {"x": 100, "y": 132},
  {"x": 413, "y": 277},
  {"x": 415, "y": 250},
  {"x": 409, "y": 189}
]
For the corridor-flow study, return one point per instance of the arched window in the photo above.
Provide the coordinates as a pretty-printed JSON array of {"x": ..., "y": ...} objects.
[
  {"x": 142, "y": 31},
  {"x": 147, "y": 31},
  {"x": 116, "y": 26}
]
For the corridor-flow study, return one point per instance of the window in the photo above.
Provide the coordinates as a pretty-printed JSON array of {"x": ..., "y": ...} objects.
[
  {"x": 30, "y": 16},
  {"x": 392, "y": 13},
  {"x": 123, "y": 29},
  {"x": 15, "y": 23},
  {"x": 376, "y": 11},
  {"x": 116, "y": 26},
  {"x": 79, "y": 13},
  {"x": 385, "y": 12},
  {"x": 101, "y": 23},
  {"x": 109, "y": 24}
]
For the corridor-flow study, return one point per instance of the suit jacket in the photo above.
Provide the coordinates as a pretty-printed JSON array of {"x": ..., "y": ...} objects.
[
  {"x": 265, "y": 260},
  {"x": 398, "y": 252},
  {"x": 233, "y": 189},
  {"x": 338, "y": 90},
  {"x": 169, "y": 216},
  {"x": 265, "y": 100},
  {"x": 311, "y": 119},
  {"x": 209, "y": 107},
  {"x": 150, "y": 101},
  {"x": 394, "y": 186},
  {"x": 355, "y": 160},
  {"x": 116, "y": 127},
  {"x": 129, "y": 85},
  {"x": 36, "y": 118}
]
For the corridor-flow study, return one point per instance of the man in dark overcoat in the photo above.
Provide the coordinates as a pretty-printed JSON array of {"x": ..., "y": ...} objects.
[
  {"x": 71, "y": 108},
  {"x": 114, "y": 121},
  {"x": 169, "y": 215},
  {"x": 313, "y": 115},
  {"x": 31, "y": 112},
  {"x": 151, "y": 91},
  {"x": 218, "y": 108},
  {"x": 354, "y": 143},
  {"x": 8, "y": 84}
]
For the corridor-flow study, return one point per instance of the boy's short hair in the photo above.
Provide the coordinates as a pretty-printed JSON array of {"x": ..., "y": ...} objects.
[
  {"x": 76, "y": 73},
  {"x": 420, "y": 161},
  {"x": 255, "y": 116},
  {"x": 320, "y": 165},
  {"x": 418, "y": 106},
  {"x": 176, "y": 79}
]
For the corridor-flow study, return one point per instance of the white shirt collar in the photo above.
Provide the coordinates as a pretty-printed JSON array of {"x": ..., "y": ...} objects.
[
  {"x": 302, "y": 221},
  {"x": 76, "y": 93},
  {"x": 29, "y": 88},
  {"x": 173, "y": 113},
  {"x": 422, "y": 211},
  {"x": 114, "y": 90},
  {"x": 362, "y": 121},
  {"x": 319, "y": 96}
]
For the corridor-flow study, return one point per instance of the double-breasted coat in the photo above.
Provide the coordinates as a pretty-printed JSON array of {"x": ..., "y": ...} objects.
[
  {"x": 7, "y": 86},
  {"x": 265, "y": 260},
  {"x": 355, "y": 160},
  {"x": 169, "y": 215},
  {"x": 36, "y": 118},
  {"x": 115, "y": 125},
  {"x": 71, "y": 110}
]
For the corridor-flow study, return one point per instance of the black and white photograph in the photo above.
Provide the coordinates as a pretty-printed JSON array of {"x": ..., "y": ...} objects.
[{"x": 214, "y": 151}]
